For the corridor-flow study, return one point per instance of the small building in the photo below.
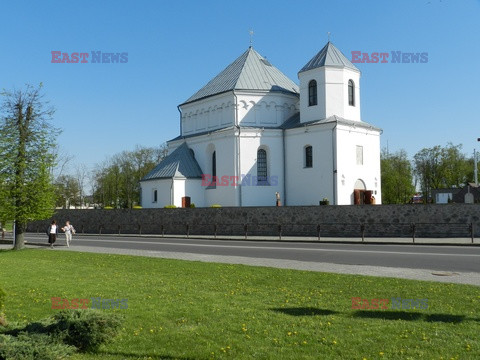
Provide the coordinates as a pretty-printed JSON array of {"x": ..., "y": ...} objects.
[
  {"x": 251, "y": 132},
  {"x": 469, "y": 194}
]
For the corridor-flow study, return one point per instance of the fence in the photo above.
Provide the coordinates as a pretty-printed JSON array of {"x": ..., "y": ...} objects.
[{"x": 278, "y": 230}]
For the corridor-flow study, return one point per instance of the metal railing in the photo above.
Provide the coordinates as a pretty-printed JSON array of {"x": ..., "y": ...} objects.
[{"x": 278, "y": 230}]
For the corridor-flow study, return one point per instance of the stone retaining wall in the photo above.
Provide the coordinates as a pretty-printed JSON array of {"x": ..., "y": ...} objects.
[{"x": 433, "y": 220}]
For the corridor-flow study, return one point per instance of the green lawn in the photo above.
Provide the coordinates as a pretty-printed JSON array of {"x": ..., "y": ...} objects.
[{"x": 192, "y": 310}]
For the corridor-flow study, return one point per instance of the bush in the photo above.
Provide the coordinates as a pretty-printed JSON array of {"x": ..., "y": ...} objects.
[
  {"x": 216, "y": 206},
  {"x": 85, "y": 329},
  {"x": 192, "y": 205},
  {"x": 169, "y": 207},
  {"x": 108, "y": 207},
  {"x": 137, "y": 207},
  {"x": 32, "y": 346}
]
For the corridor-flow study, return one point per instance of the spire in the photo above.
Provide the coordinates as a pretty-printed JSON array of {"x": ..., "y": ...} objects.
[{"x": 329, "y": 56}]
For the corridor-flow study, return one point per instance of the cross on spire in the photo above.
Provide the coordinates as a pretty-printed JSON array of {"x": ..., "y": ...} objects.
[
  {"x": 328, "y": 34},
  {"x": 251, "y": 37}
]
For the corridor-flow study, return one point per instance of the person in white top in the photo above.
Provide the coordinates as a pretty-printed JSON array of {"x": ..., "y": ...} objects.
[
  {"x": 52, "y": 232},
  {"x": 69, "y": 231}
]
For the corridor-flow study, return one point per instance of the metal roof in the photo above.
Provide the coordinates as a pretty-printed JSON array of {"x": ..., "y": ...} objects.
[
  {"x": 329, "y": 56},
  {"x": 250, "y": 71},
  {"x": 180, "y": 163},
  {"x": 294, "y": 122}
]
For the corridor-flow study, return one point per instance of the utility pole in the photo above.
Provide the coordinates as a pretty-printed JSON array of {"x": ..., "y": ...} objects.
[{"x": 475, "y": 164}]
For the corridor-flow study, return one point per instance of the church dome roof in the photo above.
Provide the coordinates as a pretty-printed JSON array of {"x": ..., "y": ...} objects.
[
  {"x": 328, "y": 56},
  {"x": 250, "y": 71}
]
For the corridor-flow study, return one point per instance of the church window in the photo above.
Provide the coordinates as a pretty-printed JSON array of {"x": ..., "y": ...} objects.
[
  {"x": 308, "y": 156},
  {"x": 155, "y": 195},
  {"x": 359, "y": 155},
  {"x": 351, "y": 93},
  {"x": 214, "y": 169},
  {"x": 192, "y": 153},
  {"x": 312, "y": 93},
  {"x": 262, "y": 174}
]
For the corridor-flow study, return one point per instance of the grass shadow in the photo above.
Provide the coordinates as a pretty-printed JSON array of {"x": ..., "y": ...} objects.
[
  {"x": 446, "y": 318},
  {"x": 32, "y": 328},
  {"x": 388, "y": 315},
  {"x": 305, "y": 311},
  {"x": 143, "y": 356}
]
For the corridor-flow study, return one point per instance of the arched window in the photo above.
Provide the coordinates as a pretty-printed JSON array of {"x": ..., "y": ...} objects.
[
  {"x": 155, "y": 195},
  {"x": 312, "y": 93},
  {"x": 214, "y": 168},
  {"x": 192, "y": 153},
  {"x": 262, "y": 174},
  {"x": 308, "y": 156},
  {"x": 351, "y": 93}
]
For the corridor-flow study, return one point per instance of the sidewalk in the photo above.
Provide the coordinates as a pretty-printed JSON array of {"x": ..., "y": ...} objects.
[{"x": 346, "y": 240}]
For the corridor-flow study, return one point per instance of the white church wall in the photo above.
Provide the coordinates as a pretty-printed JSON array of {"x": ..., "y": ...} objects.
[
  {"x": 163, "y": 188},
  {"x": 271, "y": 141},
  {"x": 315, "y": 112},
  {"x": 351, "y": 169},
  {"x": 265, "y": 109},
  {"x": 308, "y": 186},
  {"x": 351, "y": 112},
  {"x": 208, "y": 114},
  {"x": 203, "y": 146},
  {"x": 188, "y": 187},
  {"x": 332, "y": 94}
]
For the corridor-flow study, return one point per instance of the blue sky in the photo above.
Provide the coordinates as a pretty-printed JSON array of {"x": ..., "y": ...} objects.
[{"x": 174, "y": 48}]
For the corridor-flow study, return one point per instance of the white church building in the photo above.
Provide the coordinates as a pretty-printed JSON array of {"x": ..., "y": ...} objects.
[{"x": 251, "y": 132}]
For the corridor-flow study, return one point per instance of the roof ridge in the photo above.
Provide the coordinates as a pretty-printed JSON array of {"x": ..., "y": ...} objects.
[{"x": 249, "y": 50}]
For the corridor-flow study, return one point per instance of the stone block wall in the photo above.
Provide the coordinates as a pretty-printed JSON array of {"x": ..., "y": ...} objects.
[{"x": 432, "y": 220}]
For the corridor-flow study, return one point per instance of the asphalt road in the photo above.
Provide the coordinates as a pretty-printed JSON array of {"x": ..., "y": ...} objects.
[{"x": 441, "y": 258}]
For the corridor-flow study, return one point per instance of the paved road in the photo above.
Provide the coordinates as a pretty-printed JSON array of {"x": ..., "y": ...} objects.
[{"x": 436, "y": 258}]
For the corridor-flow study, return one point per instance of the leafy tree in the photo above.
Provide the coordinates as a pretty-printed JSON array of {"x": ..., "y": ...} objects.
[
  {"x": 116, "y": 181},
  {"x": 27, "y": 142},
  {"x": 68, "y": 191},
  {"x": 397, "y": 177},
  {"x": 442, "y": 167}
]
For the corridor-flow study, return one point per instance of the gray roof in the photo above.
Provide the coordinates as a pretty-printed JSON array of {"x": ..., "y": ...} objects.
[
  {"x": 329, "y": 56},
  {"x": 294, "y": 122},
  {"x": 250, "y": 71},
  {"x": 180, "y": 163}
]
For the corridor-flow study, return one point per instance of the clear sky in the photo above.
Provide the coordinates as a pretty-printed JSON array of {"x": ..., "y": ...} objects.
[{"x": 176, "y": 47}]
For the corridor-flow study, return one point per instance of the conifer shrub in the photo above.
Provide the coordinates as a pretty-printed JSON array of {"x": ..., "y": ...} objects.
[
  {"x": 85, "y": 329},
  {"x": 32, "y": 346}
]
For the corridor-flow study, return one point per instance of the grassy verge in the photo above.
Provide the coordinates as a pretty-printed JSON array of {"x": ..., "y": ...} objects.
[{"x": 191, "y": 310}]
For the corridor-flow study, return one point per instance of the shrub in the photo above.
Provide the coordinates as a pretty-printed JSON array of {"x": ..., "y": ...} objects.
[
  {"x": 32, "y": 346},
  {"x": 85, "y": 329},
  {"x": 137, "y": 207},
  {"x": 192, "y": 205},
  {"x": 216, "y": 206},
  {"x": 108, "y": 207},
  {"x": 169, "y": 207}
]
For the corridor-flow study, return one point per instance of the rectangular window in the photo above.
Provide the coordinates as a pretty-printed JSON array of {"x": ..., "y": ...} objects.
[
  {"x": 308, "y": 157},
  {"x": 359, "y": 155}
]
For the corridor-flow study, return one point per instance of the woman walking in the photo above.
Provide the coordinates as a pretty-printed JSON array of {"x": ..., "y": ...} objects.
[
  {"x": 52, "y": 232},
  {"x": 69, "y": 231}
]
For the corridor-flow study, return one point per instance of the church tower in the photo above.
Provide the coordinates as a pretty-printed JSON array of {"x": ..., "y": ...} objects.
[{"x": 329, "y": 85}]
